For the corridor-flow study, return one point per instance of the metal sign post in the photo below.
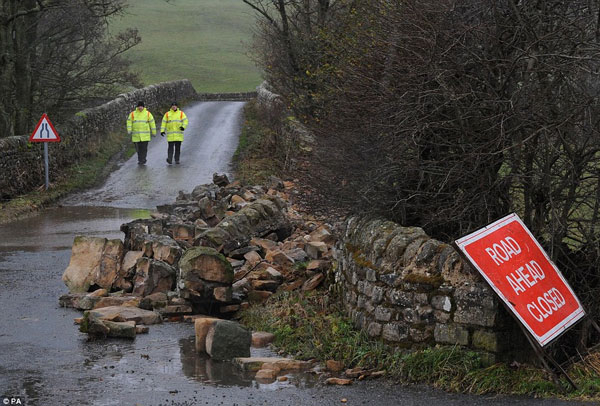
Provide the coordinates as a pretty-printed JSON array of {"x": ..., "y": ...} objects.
[
  {"x": 45, "y": 132},
  {"x": 46, "y": 165}
]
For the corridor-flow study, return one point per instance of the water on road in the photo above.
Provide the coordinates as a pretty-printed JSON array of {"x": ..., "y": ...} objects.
[{"x": 45, "y": 360}]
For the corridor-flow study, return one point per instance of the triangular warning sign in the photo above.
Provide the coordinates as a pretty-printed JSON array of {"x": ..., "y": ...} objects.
[{"x": 44, "y": 131}]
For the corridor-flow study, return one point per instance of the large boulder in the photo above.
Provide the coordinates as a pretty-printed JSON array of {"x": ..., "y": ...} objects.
[
  {"x": 257, "y": 219},
  {"x": 137, "y": 230},
  {"x": 124, "y": 281},
  {"x": 227, "y": 340},
  {"x": 207, "y": 264},
  {"x": 202, "y": 270},
  {"x": 110, "y": 264},
  {"x": 94, "y": 261},
  {"x": 165, "y": 248},
  {"x": 152, "y": 276},
  {"x": 201, "y": 327}
]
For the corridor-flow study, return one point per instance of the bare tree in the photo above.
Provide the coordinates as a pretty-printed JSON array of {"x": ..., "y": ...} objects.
[
  {"x": 57, "y": 52},
  {"x": 449, "y": 114}
]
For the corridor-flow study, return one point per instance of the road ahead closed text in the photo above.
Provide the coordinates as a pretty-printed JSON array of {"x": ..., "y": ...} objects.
[{"x": 518, "y": 269}]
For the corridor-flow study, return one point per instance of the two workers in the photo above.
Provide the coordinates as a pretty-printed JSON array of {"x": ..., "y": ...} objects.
[{"x": 141, "y": 127}]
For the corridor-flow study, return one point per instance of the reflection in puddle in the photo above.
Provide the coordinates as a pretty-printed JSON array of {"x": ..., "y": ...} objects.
[
  {"x": 201, "y": 367},
  {"x": 55, "y": 228}
]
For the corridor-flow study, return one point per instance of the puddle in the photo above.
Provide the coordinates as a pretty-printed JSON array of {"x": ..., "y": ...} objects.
[
  {"x": 55, "y": 228},
  {"x": 200, "y": 367}
]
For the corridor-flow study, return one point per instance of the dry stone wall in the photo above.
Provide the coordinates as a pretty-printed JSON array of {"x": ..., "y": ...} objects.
[
  {"x": 239, "y": 96},
  {"x": 22, "y": 163},
  {"x": 402, "y": 286}
]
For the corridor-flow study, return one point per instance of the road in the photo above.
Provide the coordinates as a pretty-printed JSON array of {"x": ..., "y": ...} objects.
[
  {"x": 210, "y": 141},
  {"x": 45, "y": 360}
]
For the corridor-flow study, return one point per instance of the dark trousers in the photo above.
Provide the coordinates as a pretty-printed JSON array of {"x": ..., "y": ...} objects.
[
  {"x": 174, "y": 145},
  {"x": 142, "y": 150}
]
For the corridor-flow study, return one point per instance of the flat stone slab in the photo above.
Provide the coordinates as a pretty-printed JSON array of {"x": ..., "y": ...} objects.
[
  {"x": 262, "y": 339},
  {"x": 126, "y": 313},
  {"x": 254, "y": 364}
]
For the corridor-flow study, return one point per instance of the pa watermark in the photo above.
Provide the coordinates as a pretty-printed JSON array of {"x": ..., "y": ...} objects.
[{"x": 12, "y": 400}]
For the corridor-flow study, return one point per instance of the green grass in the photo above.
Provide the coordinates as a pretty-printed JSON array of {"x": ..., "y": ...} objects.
[
  {"x": 312, "y": 326},
  {"x": 205, "y": 41},
  {"x": 254, "y": 159}
]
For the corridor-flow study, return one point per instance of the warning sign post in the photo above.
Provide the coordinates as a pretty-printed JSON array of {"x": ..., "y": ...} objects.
[
  {"x": 521, "y": 273},
  {"x": 45, "y": 132}
]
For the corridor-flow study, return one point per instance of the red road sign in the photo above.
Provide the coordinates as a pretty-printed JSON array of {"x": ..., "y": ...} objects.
[
  {"x": 44, "y": 131},
  {"x": 522, "y": 274}
]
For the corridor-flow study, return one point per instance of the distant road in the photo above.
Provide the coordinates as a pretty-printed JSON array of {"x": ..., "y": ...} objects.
[{"x": 210, "y": 141}]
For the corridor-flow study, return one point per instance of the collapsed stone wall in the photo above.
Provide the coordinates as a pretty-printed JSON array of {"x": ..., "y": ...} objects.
[
  {"x": 402, "y": 286},
  {"x": 22, "y": 162}
]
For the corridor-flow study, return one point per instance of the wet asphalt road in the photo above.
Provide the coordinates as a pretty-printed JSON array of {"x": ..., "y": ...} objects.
[
  {"x": 45, "y": 360},
  {"x": 209, "y": 143}
]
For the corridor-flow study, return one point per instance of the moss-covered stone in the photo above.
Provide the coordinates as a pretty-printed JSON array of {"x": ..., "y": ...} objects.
[
  {"x": 486, "y": 340},
  {"x": 207, "y": 264}
]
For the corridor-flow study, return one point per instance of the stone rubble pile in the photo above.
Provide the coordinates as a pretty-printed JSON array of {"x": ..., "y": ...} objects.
[{"x": 214, "y": 251}]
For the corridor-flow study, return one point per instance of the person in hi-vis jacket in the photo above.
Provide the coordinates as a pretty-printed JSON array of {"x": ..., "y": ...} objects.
[
  {"x": 173, "y": 124},
  {"x": 141, "y": 127}
]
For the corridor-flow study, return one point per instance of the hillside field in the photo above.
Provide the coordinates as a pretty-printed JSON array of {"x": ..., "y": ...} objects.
[{"x": 206, "y": 41}]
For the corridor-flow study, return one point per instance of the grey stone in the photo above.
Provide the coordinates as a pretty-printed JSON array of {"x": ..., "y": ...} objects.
[
  {"x": 451, "y": 334},
  {"x": 478, "y": 316},
  {"x": 412, "y": 249},
  {"x": 383, "y": 314},
  {"x": 420, "y": 335},
  {"x": 475, "y": 295},
  {"x": 360, "y": 304},
  {"x": 389, "y": 279},
  {"x": 227, "y": 340},
  {"x": 374, "y": 329},
  {"x": 441, "y": 316},
  {"x": 441, "y": 303},
  {"x": 368, "y": 289},
  {"x": 396, "y": 248},
  {"x": 401, "y": 298},
  {"x": 394, "y": 332},
  {"x": 427, "y": 253},
  {"x": 153, "y": 276},
  {"x": 125, "y": 329},
  {"x": 378, "y": 295}
]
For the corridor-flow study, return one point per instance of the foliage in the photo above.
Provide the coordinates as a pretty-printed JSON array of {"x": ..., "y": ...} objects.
[
  {"x": 310, "y": 326},
  {"x": 451, "y": 114},
  {"x": 254, "y": 157}
]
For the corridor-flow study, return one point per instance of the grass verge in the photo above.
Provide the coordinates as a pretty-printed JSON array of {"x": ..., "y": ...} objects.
[
  {"x": 253, "y": 159},
  {"x": 312, "y": 326},
  {"x": 84, "y": 174}
]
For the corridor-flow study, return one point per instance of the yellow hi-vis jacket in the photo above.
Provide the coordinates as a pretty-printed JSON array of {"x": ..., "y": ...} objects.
[
  {"x": 171, "y": 122},
  {"x": 140, "y": 125}
]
